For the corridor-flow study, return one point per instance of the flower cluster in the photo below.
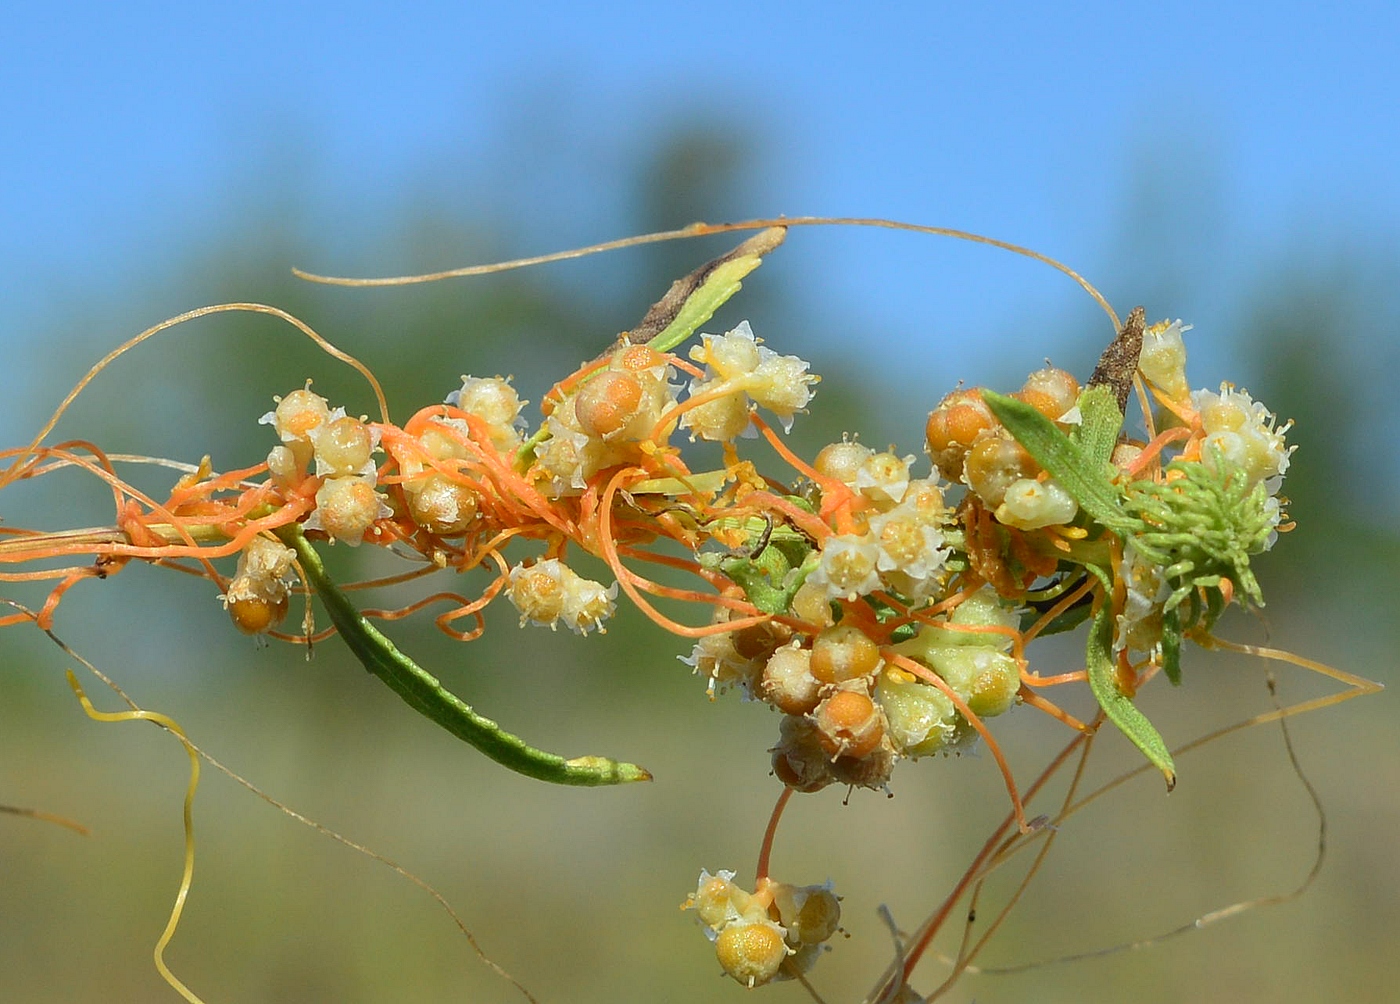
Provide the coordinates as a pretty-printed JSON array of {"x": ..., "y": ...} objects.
[
  {"x": 347, "y": 502},
  {"x": 883, "y": 612},
  {"x": 776, "y": 932}
]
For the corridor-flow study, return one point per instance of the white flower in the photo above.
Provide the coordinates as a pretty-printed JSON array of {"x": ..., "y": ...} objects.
[
  {"x": 1139, "y": 626},
  {"x": 1030, "y": 504},
  {"x": 1163, "y": 358},
  {"x": 1245, "y": 433},
  {"x": 732, "y": 354},
  {"x": 884, "y": 478},
  {"x": 909, "y": 546},
  {"x": 849, "y": 567},
  {"x": 587, "y": 604},
  {"x": 549, "y": 591},
  {"x": 494, "y": 401},
  {"x": 715, "y": 657}
]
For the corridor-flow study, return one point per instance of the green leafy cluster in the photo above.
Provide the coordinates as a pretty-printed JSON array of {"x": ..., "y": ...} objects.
[{"x": 1200, "y": 525}]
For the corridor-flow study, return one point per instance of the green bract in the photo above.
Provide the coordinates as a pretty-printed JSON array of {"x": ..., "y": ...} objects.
[
  {"x": 1201, "y": 526},
  {"x": 1081, "y": 471}
]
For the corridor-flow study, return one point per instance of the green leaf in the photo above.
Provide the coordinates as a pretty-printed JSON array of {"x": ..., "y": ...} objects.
[
  {"x": 1066, "y": 621},
  {"x": 422, "y": 691},
  {"x": 1085, "y": 478},
  {"x": 692, "y": 300},
  {"x": 1100, "y": 422},
  {"x": 1103, "y": 681}
]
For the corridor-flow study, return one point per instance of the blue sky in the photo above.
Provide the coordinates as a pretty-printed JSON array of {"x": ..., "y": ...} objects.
[{"x": 128, "y": 130}]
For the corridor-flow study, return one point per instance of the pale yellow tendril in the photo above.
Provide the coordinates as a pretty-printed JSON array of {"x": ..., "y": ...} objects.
[{"x": 165, "y": 721}]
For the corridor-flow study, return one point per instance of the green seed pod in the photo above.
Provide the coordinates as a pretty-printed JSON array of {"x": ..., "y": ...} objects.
[
  {"x": 921, "y": 718},
  {"x": 986, "y": 679},
  {"x": 980, "y": 610}
]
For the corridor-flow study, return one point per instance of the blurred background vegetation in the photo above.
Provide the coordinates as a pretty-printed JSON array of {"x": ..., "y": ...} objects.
[{"x": 576, "y": 892}]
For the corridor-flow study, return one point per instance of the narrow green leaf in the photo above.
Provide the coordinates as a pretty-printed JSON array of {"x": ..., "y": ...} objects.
[
  {"x": 1084, "y": 478},
  {"x": 1067, "y": 621},
  {"x": 1103, "y": 681},
  {"x": 1101, "y": 421},
  {"x": 721, "y": 284},
  {"x": 692, "y": 300},
  {"x": 422, "y": 691}
]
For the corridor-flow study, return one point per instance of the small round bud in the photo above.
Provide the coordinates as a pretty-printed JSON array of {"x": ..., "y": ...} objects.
[
  {"x": 1050, "y": 391},
  {"x": 994, "y": 464},
  {"x": 537, "y": 591},
  {"x": 718, "y": 901},
  {"x": 844, "y": 652},
  {"x": 440, "y": 505},
  {"x": 489, "y": 398},
  {"x": 343, "y": 447},
  {"x": 439, "y": 443},
  {"x": 299, "y": 414},
  {"x": 607, "y": 403},
  {"x": 849, "y": 724},
  {"x": 788, "y": 683},
  {"x": 283, "y": 465},
  {"x": 346, "y": 508},
  {"x": 960, "y": 420},
  {"x": 841, "y": 461},
  {"x": 751, "y": 950}
]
